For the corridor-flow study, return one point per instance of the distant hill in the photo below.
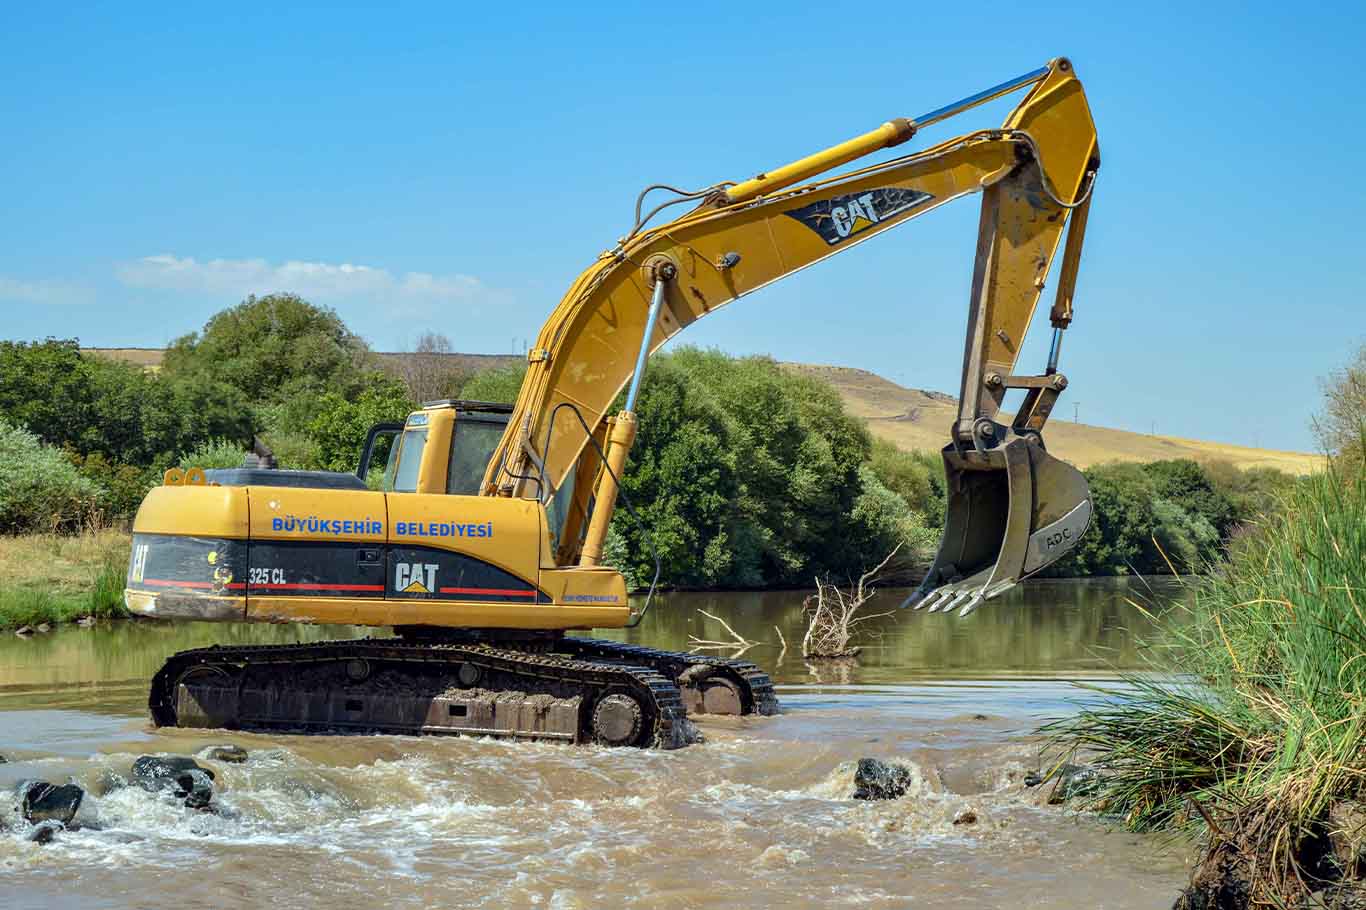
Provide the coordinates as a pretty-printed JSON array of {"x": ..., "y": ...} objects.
[{"x": 914, "y": 419}]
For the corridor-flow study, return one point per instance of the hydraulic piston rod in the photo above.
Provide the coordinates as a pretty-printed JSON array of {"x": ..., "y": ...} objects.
[
  {"x": 621, "y": 434},
  {"x": 893, "y": 132}
]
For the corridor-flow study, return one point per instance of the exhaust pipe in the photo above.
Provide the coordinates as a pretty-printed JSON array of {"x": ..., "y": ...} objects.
[{"x": 1012, "y": 510}]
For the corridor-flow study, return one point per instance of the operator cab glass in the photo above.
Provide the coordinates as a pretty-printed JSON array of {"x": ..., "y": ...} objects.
[
  {"x": 472, "y": 444},
  {"x": 405, "y": 458}
]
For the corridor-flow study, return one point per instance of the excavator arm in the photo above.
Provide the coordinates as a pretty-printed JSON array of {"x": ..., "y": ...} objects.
[{"x": 1012, "y": 507}]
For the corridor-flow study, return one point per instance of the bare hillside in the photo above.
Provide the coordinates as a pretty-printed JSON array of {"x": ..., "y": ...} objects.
[{"x": 913, "y": 419}]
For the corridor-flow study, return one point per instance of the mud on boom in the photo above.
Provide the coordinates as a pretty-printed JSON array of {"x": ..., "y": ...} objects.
[{"x": 485, "y": 545}]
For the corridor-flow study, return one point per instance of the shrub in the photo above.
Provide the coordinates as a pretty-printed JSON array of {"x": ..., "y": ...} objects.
[
  {"x": 498, "y": 384},
  {"x": 216, "y": 453},
  {"x": 917, "y": 477},
  {"x": 40, "y": 489}
]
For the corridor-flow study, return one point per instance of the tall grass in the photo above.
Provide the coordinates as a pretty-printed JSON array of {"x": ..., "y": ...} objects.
[
  {"x": 59, "y": 578},
  {"x": 1257, "y": 725}
]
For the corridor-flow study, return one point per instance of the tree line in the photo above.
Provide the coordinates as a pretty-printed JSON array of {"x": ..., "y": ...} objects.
[{"x": 744, "y": 474}]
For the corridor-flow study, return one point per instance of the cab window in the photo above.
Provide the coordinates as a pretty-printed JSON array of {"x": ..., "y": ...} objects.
[
  {"x": 401, "y": 476},
  {"x": 472, "y": 445}
]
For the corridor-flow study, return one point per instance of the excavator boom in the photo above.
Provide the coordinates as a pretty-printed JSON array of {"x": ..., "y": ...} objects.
[{"x": 1034, "y": 174}]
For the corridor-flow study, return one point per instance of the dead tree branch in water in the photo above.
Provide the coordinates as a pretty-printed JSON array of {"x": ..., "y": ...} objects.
[
  {"x": 833, "y": 615},
  {"x": 738, "y": 643}
]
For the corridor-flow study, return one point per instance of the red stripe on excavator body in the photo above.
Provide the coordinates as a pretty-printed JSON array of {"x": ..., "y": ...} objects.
[
  {"x": 296, "y": 586},
  {"x": 501, "y": 592},
  {"x": 171, "y": 583}
]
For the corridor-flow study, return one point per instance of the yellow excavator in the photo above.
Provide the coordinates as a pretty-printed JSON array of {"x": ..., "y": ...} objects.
[{"x": 485, "y": 544}]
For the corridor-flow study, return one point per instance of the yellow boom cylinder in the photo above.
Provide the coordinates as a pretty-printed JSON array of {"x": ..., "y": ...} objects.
[
  {"x": 893, "y": 132},
  {"x": 619, "y": 441}
]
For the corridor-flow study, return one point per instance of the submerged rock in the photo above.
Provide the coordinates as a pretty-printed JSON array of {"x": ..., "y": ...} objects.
[
  {"x": 192, "y": 782},
  {"x": 965, "y": 816},
  {"x": 42, "y": 802},
  {"x": 874, "y": 779},
  {"x": 1347, "y": 835},
  {"x": 44, "y": 832},
  {"x": 1074, "y": 780},
  {"x": 3, "y": 760},
  {"x": 1033, "y": 779},
  {"x": 233, "y": 755}
]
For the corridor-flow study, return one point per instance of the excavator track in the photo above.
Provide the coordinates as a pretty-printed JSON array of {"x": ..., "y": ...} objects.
[
  {"x": 708, "y": 685},
  {"x": 421, "y": 688}
]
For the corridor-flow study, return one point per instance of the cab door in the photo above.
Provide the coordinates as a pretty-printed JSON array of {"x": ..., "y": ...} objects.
[{"x": 456, "y": 558}]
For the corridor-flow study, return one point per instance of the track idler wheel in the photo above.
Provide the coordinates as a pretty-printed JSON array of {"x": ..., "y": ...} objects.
[
  {"x": 705, "y": 689},
  {"x": 617, "y": 720}
]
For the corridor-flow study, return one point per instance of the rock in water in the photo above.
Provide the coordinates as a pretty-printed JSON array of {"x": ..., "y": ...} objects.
[
  {"x": 192, "y": 782},
  {"x": 233, "y": 755},
  {"x": 1074, "y": 780},
  {"x": 3, "y": 760},
  {"x": 1347, "y": 835},
  {"x": 196, "y": 788},
  {"x": 875, "y": 779},
  {"x": 965, "y": 816},
  {"x": 44, "y": 832},
  {"x": 42, "y": 802}
]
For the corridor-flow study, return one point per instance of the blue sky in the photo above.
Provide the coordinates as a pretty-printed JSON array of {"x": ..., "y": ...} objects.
[{"x": 453, "y": 167}]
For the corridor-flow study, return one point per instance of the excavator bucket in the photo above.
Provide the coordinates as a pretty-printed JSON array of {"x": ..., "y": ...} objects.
[{"x": 1011, "y": 511}]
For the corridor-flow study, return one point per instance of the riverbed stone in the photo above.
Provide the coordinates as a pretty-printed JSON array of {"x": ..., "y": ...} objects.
[
  {"x": 45, "y": 831},
  {"x": 192, "y": 782},
  {"x": 41, "y": 801},
  {"x": 965, "y": 816},
  {"x": 233, "y": 755},
  {"x": 1073, "y": 781},
  {"x": 875, "y": 779},
  {"x": 24, "y": 631},
  {"x": 1347, "y": 835}
]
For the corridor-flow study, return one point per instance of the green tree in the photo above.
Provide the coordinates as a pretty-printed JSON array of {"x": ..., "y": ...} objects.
[
  {"x": 1341, "y": 425},
  {"x": 273, "y": 348},
  {"x": 341, "y": 423},
  {"x": 93, "y": 406},
  {"x": 498, "y": 384},
  {"x": 1185, "y": 483}
]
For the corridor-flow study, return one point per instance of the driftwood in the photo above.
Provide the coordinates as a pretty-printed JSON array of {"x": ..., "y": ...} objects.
[
  {"x": 833, "y": 615},
  {"x": 737, "y": 644}
]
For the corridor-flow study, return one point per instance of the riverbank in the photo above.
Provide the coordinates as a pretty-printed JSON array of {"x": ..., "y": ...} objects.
[
  {"x": 1258, "y": 741},
  {"x": 57, "y": 578}
]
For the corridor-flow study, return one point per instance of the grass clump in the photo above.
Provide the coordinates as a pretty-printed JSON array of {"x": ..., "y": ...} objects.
[
  {"x": 60, "y": 577},
  {"x": 1260, "y": 730}
]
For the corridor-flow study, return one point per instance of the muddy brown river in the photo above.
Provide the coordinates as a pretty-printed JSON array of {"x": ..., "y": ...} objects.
[{"x": 759, "y": 816}]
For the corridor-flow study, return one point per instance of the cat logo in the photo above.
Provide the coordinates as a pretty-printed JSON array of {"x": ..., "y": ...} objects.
[
  {"x": 841, "y": 217},
  {"x": 415, "y": 577}
]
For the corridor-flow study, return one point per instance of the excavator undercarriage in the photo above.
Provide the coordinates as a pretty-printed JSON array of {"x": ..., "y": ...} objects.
[
  {"x": 480, "y": 683},
  {"x": 485, "y": 545}
]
